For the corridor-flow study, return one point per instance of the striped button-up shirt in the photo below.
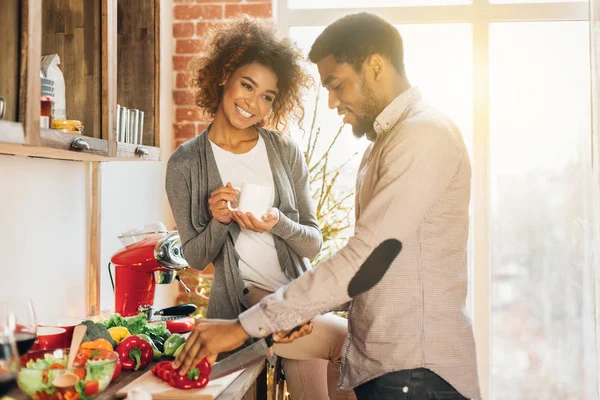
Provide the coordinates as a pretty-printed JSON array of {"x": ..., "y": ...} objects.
[{"x": 413, "y": 185}]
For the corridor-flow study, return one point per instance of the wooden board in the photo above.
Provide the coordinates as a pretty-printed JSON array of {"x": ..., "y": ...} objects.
[{"x": 162, "y": 390}]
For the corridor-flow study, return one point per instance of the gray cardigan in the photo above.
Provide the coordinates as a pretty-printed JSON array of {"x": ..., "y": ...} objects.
[{"x": 192, "y": 174}]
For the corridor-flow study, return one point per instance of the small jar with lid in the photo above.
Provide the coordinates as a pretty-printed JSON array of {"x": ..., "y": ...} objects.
[
  {"x": 46, "y": 102},
  {"x": 71, "y": 126}
]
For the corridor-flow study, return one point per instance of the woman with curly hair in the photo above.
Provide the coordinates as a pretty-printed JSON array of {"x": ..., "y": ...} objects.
[{"x": 250, "y": 80}]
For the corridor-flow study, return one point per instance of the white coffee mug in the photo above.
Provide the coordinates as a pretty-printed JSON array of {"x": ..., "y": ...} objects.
[{"x": 253, "y": 198}]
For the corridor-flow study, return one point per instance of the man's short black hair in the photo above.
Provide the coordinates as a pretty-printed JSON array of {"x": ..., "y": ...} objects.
[{"x": 353, "y": 38}]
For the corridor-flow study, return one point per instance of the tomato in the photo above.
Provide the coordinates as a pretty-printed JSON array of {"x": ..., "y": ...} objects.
[
  {"x": 45, "y": 376},
  {"x": 41, "y": 396},
  {"x": 91, "y": 387},
  {"x": 81, "y": 359},
  {"x": 57, "y": 366},
  {"x": 181, "y": 325},
  {"x": 70, "y": 394}
]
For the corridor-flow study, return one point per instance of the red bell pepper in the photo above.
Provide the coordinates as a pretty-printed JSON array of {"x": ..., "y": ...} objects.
[
  {"x": 118, "y": 368},
  {"x": 162, "y": 370},
  {"x": 184, "y": 381},
  {"x": 135, "y": 353},
  {"x": 181, "y": 325},
  {"x": 201, "y": 382},
  {"x": 204, "y": 367},
  {"x": 195, "y": 379}
]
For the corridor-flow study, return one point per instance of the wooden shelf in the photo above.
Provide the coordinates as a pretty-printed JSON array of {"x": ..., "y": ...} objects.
[
  {"x": 57, "y": 145},
  {"x": 53, "y": 144},
  {"x": 109, "y": 51},
  {"x": 126, "y": 151}
]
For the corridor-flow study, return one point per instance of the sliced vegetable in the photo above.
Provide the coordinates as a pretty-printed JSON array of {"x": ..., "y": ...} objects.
[
  {"x": 179, "y": 350},
  {"x": 184, "y": 382},
  {"x": 173, "y": 343},
  {"x": 135, "y": 353},
  {"x": 195, "y": 378},
  {"x": 91, "y": 387}
]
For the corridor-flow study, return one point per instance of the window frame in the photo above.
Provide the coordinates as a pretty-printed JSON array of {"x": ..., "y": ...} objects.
[{"x": 480, "y": 14}]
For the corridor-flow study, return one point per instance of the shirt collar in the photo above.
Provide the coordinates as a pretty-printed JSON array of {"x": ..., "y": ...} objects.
[{"x": 395, "y": 111}]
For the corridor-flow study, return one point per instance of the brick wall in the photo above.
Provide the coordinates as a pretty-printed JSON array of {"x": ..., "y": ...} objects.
[{"x": 190, "y": 20}]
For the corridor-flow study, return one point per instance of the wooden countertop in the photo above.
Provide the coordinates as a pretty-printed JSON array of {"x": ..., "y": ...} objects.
[{"x": 236, "y": 391}]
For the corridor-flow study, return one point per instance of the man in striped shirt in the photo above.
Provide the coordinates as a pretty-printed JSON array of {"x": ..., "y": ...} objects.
[{"x": 410, "y": 336}]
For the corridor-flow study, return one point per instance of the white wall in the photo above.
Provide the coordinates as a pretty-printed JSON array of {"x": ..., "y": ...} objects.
[
  {"x": 43, "y": 239},
  {"x": 44, "y": 224}
]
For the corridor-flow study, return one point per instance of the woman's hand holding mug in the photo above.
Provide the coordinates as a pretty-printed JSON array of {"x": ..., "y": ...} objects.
[
  {"x": 218, "y": 202},
  {"x": 254, "y": 202},
  {"x": 249, "y": 221}
]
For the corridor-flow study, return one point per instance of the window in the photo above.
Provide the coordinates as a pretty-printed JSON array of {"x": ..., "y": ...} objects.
[
  {"x": 542, "y": 285},
  {"x": 514, "y": 76}
]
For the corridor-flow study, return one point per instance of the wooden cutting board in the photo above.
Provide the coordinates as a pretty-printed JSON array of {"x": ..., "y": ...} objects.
[{"x": 162, "y": 390}]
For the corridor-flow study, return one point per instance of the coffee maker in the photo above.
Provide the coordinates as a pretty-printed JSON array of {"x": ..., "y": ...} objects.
[{"x": 148, "y": 259}]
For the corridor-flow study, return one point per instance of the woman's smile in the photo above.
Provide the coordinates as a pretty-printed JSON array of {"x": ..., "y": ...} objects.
[{"x": 243, "y": 112}]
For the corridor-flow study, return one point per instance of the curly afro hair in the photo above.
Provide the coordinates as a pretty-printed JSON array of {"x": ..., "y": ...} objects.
[{"x": 244, "y": 41}]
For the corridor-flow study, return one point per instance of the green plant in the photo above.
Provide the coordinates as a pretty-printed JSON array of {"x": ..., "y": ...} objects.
[{"x": 332, "y": 208}]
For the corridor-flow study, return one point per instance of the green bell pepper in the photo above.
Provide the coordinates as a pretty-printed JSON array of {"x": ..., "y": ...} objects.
[
  {"x": 173, "y": 343},
  {"x": 179, "y": 350},
  {"x": 156, "y": 354}
]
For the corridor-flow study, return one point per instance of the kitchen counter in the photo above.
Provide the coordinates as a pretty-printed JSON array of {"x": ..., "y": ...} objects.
[{"x": 250, "y": 385}]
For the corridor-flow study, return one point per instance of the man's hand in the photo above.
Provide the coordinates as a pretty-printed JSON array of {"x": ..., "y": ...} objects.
[
  {"x": 250, "y": 222},
  {"x": 209, "y": 338},
  {"x": 218, "y": 202},
  {"x": 282, "y": 338}
]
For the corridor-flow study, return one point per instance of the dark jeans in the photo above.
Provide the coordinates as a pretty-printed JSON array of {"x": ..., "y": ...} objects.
[{"x": 408, "y": 384}]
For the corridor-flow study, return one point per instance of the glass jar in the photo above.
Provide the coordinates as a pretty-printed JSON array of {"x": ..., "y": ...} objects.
[
  {"x": 46, "y": 105},
  {"x": 71, "y": 126}
]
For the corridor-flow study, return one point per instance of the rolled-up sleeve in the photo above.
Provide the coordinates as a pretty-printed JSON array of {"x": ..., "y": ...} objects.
[{"x": 416, "y": 166}]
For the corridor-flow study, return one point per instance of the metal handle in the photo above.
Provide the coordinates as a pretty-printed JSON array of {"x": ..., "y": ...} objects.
[
  {"x": 181, "y": 309},
  {"x": 2, "y": 107},
  {"x": 187, "y": 289},
  {"x": 141, "y": 151},
  {"x": 80, "y": 144}
]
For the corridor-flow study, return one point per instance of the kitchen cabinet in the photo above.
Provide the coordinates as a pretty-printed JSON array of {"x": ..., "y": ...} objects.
[{"x": 109, "y": 54}]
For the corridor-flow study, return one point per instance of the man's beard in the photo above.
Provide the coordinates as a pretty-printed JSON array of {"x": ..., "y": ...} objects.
[{"x": 370, "y": 111}]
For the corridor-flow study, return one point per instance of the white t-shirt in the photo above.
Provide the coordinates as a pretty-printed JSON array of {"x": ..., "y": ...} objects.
[{"x": 258, "y": 263}]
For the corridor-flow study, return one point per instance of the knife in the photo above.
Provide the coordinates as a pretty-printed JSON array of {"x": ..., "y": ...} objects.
[
  {"x": 169, "y": 313},
  {"x": 368, "y": 275}
]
